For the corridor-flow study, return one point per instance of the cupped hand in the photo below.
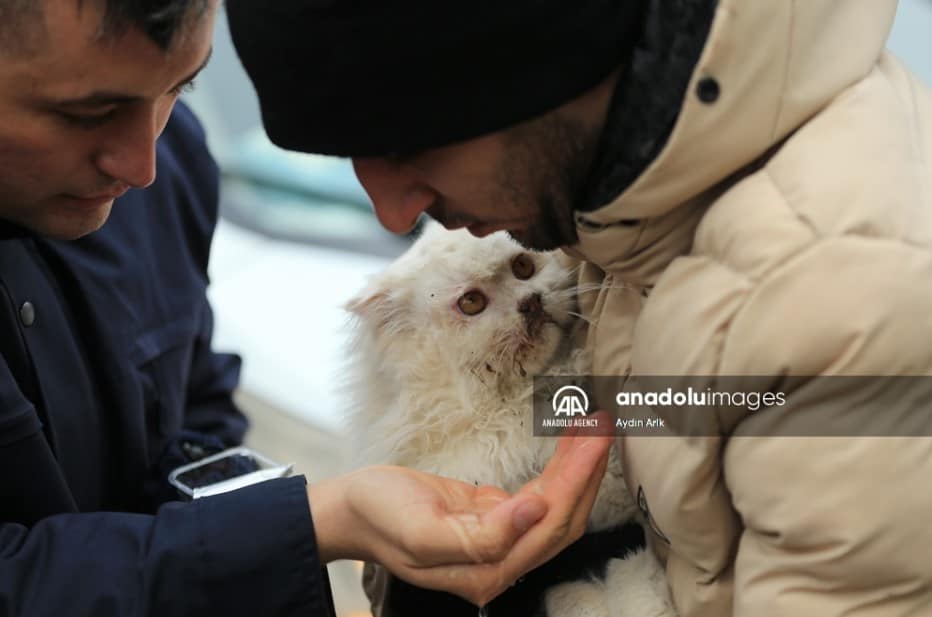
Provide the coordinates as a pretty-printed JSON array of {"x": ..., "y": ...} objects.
[{"x": 443, "y": 534}]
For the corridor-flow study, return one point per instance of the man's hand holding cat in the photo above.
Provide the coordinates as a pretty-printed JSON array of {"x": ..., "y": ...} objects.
[{"x": 444, "y": 534}]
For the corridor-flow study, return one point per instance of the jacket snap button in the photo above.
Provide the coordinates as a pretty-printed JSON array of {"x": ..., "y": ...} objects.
[
  {"x": 27, "y": 314},
  {"x": 708, "y": 90}
]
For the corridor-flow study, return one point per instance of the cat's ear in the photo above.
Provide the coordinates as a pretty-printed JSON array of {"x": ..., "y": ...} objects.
[
  {"x": 378, "y": 304},
  {"x": 368, "y": 301}
]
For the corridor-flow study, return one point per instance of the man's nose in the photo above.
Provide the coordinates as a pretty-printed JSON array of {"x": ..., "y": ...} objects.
[
  {"x": 398, "y": 196},
  {"x": 129, "y": 155}
]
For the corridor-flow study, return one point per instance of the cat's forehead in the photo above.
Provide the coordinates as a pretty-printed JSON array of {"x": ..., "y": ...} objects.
[
  {"x": 442, "y": 259},
  {"x": 458, "y": 249}
]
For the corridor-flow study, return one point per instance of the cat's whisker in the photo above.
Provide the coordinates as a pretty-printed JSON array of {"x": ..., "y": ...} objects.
[
  {"x": 572, "y": 291},
  {"x": 580, "y": 316},
  {"x": 570, "y": 271},
  {"x": 581, "y": 289}
]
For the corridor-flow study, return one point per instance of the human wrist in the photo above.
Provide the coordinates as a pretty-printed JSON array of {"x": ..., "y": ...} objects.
[{"x": 329, "y": 514}]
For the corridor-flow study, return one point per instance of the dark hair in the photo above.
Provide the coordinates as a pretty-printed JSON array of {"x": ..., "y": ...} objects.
[
  {"x": 19, "y": 21},
  {"x": 161, "y": 20}
]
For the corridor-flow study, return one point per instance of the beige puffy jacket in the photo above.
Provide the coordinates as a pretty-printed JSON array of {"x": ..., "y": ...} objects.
[{"x": 784, "y": 229}]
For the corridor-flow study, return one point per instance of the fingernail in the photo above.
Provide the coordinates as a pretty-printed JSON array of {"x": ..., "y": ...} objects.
[{"x": 528, "y": 514}]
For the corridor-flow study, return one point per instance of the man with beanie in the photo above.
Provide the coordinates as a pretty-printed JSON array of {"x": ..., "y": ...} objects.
[{"x": 750, "y": 186}]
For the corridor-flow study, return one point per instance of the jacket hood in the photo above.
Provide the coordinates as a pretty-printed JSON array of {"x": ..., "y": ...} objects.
[{"x": 714, "y": 84}]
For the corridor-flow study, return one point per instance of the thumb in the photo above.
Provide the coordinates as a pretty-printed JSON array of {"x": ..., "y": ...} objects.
[
  {"x": 528, "y": 511},
  {"x": 505, "y": 523}
]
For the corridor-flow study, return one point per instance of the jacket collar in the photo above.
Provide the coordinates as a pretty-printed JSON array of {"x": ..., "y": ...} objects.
[{"x": 750, "y": 75}]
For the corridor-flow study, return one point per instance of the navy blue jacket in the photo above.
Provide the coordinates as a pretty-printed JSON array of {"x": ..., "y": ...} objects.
[{"x": 105, "y": 367}]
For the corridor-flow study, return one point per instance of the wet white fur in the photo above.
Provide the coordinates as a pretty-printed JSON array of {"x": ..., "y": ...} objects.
[{"x": 448, "y": 393}]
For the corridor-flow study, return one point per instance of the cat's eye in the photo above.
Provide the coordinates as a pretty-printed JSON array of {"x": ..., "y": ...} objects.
[
  {"x": 522, "y": 266},
  {"x": 472, "y": 302}
]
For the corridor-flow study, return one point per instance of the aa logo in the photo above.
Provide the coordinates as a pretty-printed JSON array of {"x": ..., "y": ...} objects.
[{"x": 570, "y": 401}]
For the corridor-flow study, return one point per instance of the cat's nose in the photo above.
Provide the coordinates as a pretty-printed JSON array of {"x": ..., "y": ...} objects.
[{"x": 531, "y": 306}]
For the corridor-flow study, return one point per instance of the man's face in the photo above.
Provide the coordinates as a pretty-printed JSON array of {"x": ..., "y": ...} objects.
[
  {"x": 80, "y": 116},
  {"x": 526, "y": 180}
]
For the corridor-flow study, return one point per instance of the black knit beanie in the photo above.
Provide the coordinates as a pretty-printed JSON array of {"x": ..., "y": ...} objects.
[{"x": 380, "y": 77}]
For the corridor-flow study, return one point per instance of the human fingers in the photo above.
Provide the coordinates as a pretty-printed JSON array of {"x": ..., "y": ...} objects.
[
  {"x": 567, "y": 487},
  {"x": 573, "y": 465},
  {"x": 475, "y": 583},
  {"x": 476, "y": 533},
  {"x": 579, "y": 513},
  {"x": 488, "y": 577},
  {"x": 479, "y": 526},
  {"x": 460, "y": 550},
  {"x": 570, "y": 486}
]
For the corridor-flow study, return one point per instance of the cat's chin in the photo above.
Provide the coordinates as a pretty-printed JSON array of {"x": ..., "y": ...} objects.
[{"x": 550, "y": 346}]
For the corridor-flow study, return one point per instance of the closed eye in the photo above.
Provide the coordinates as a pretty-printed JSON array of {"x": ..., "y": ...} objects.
[{"x": 86, "y": 121}]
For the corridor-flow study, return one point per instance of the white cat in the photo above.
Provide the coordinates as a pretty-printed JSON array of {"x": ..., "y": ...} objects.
[{"x": 447, "y": 342}]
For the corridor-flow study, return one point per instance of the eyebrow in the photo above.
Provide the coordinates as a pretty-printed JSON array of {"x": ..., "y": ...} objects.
[{"x": 104, "y": 97}]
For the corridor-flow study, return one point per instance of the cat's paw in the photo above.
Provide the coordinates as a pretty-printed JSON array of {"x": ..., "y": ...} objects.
[
  {"x": 636, "y": 586},
  {"x": 576, "y": 599}
]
